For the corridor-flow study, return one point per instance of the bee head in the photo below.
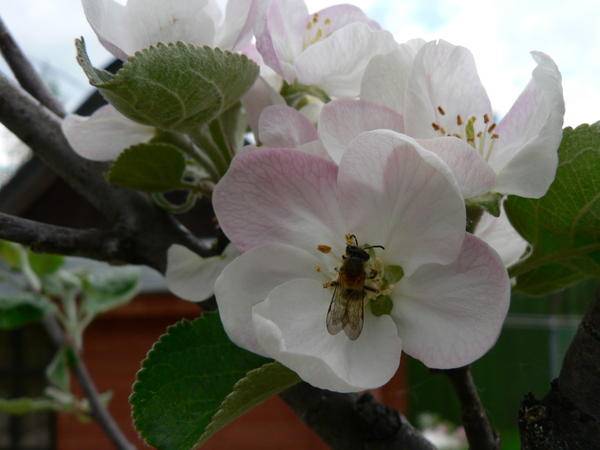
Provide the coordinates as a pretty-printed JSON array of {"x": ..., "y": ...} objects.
[{"x": 354, "y": 251}]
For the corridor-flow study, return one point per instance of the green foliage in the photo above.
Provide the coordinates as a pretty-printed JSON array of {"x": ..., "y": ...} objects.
[
  {"x": 489, "y": 202},
  {"x": 25, "y": 405},
  {"x": 20, "y": 309},
  {"x": 9, "y": 254},
  {"x": 189, "y": 385},
  {"x": 44, "y": 264},
  {"x": 563, "y": 227},
  {"x": 174, "y": 86},
  {"x": 257, "y": 386},
  {"x": 107, "y": 289},
  {"x": 57, "y": 371},
  {"x": 149, "y": 167}
]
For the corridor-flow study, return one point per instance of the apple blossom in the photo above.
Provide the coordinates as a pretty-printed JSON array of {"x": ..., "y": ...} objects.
[
  {"x": 192, "y": 277},
  {"x": 436, "y": 88},
  {"x": 126, "y": 28},
  {"x": 329, "y": 49},
  {"x": 290, "y": 213},
  {"x": 105, "y": 134}
]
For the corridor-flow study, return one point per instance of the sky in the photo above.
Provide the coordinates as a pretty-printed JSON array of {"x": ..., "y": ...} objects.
[{"x": 499, "y": 33}]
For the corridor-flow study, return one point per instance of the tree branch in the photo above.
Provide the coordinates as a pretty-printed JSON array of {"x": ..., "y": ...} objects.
[
  {"x": 98, "y": 410},
  {"x": 25, "y": 73},
  {"x": 568, "y": 417},
  {"x": 353, "y": 422},
  {"x": 146, "y": 232},
  {"x": 479, "y": 430}
]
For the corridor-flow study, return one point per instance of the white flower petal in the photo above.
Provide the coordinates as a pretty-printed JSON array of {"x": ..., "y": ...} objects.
[
  {"x": 450, "y": 315},
  {"x": 236, "y": 30},
  {"x": 337, "y": 63},
  {"x": 283, "y": 126},
  {"x": 105, "y": 134},
  {"x": 248, "y": 280},
  {"x": 499, "y": 234},
  {"x": 443, "y": 75},
  {"x": 290, "y": 326},
  {"x": 344, "y": 119},
  {"x": 279, "y": 35},
  {"x": 125, "y": 29},
  {"x": 475, "y": 176},
  {"x": 525, "y": 156},
  {"x": 193, "y": 277},
  {"x": 395, "y": 193},
  {"x": 279, "y": 195},
  {"x": 386, "y": 76},
  {"x": 259, "y": 96}
]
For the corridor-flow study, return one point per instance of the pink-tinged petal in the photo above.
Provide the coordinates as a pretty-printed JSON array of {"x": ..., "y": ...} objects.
[
  {"x": 344, "y": 119},
  {"x": 444, "y": 75},
  {"x": 328, "y": 20},
  {"x": 104, "y": 135},
  {"x": 248, "y": 280},
  {"x": 283, "y": 126},
  {"x": 395, "y": 193},
  {"x": 337, "y": 63},
  {"x": 290, "y": 327},
  {"x": 279, "y": 195},
  {"x": 499, "y": 234},
  {"x": 475, "y": 176},
  {"x": 525, "y": 156},
  {"x": 386, "y": 76},
  {"x": 236, "y": 30},
  {"x": 125, "y": 29},
  {"x": 259, "y": 96},
  {"x": 192, "y": 277},
  {"x": 315, "y": 148},
  {"x": 450, "y": 315},
  {"x": 279, "y": 35}
]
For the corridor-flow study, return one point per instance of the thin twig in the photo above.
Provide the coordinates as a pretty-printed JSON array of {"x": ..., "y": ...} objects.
[
  {"x": 25, "y": 73},
  {"x": 98, "y": 410},
  {"x": 479, "y": 430}
]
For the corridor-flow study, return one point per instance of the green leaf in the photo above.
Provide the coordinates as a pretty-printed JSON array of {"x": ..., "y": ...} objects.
[
  {"x": 149, "y": 167},
  {"x": 44, "y": 264},
  {"x": 256, "y": 387},
  {"x": 174, "y": 86},
  {"x": 21, "y": 406},
  {"x": 381, "y": 305},
  {"x": 184, "y": 379},
  {"x": 17, "y": 310},
  {"x": 9, "y": 253},
  {"x": 563, "y": 227},
  {"x": 107, "y": 289},
  {"x": 57, "y": 371}
]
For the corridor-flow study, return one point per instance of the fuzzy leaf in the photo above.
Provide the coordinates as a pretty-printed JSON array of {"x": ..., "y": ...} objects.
[
  {"x": 184, "y": 379},
  {"x": 17, "y": 310},
  {"x": 149, "y": 167},
  {"x": 563, "y": 227},
  {"x": 174, "y": 86},
  {"x": 107, "y": 289},
  {"x": 256, "y": 387}
]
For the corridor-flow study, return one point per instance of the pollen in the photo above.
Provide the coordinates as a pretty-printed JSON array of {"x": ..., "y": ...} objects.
[
  {"x": 324, "y": 248},
  {"x": 441, "y": 110},
  {"x": 327, "y": 21},
  {"x": 318, "y": 268}
]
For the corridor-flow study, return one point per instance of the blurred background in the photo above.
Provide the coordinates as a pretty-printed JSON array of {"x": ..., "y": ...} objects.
[{"x": 538, "y": 330}]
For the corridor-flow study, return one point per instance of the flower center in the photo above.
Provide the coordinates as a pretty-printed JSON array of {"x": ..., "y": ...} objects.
[
  {"x": 478, "y": 132},
  {"x": 357, "y": 278},
  {"x": 317, "y": 29}
]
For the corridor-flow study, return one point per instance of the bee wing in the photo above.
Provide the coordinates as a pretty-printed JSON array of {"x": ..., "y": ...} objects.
[
  {"x": 355, "y": 315},
  {"x": 337, "y": 311}
]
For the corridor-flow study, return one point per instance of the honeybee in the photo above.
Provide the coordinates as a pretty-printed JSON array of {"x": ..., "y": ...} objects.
[{"x": 346, "y": 310}]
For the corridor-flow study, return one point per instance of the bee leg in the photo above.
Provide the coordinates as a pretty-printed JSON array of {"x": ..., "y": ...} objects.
[
  {"x": 373, "y": 274},
  {"x": 371, "y": 289},
  {"x": 333, "y": 283}
]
